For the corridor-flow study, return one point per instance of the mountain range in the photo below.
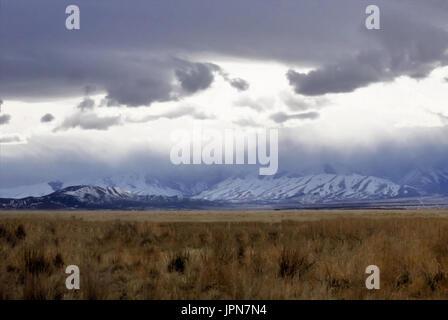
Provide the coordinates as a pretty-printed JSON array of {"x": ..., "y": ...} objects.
[{"x": 141, "y": 191}]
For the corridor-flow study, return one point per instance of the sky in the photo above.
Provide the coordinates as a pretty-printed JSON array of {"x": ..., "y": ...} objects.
[{"x": 107, "y": 97}]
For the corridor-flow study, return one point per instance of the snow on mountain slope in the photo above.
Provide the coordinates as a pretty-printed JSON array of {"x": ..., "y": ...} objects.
[
  {"x": 306, "y": 189},
  {"x": 428, "y": 181},
  {"x": 325, "y": 187},
  {"x": 139, "y": 184},
  {"x": 96, "y": 194},
  {"x": 104, "y": 198}
]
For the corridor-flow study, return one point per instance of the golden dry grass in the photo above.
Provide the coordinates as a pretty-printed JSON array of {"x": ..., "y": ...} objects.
[
  {"x": 222, "y": 216},
  {"x": 285, "y": 255}
]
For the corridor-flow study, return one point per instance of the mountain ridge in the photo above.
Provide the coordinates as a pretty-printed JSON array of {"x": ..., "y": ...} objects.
[
  {"x": 141, "y": 191},
  {"x": 94, "y": 197}
]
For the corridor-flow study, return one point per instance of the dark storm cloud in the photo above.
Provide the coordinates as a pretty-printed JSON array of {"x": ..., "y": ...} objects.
[
  {"x": 75, "y": 163},
  {"x": 4, "y": 119},
  {"x": 89, "y": 121},
  {"x": 135, "y": 61},
  {"x": 87, "y": 103},
  {"x": 108, "y": 102},
  {"x": 127, "y": 79},
  {"x": 49, "y": 74},
  {"x": 239, "y": 84},
  {"x": 88, "y": 90},
  {"x": 281, "y": 117},
  {"x": 195, "y": 76},
  {"x": 47, "y": 118},
  {"x": 392, "y": 155},
  {"x": 333, "y": 79},
  {"x": 131, "y": 53},
  {"x": 407, "y": 48},
  {"x": 140, "y": 91}
]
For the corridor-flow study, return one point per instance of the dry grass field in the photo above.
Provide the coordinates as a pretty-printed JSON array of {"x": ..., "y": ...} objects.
[{"x": 224, "y": 255}]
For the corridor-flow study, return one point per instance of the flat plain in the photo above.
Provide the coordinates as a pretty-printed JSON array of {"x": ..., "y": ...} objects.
[{"x": 316, "y": 254}]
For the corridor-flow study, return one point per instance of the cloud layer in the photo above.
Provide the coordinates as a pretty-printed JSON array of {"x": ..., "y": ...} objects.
[
  {"x": 47, "y": 118},
  {"x": 136, "y": 63},
  {"x": 167, "y": 51},
  {"x": 4, "y": 119},
  {"x": 89, "y": 121}
]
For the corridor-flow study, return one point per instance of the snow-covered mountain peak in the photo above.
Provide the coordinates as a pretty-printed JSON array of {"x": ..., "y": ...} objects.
[
  {"x": 308, "y": 188},
  {"x": 311, "y": 188},
  {"x": 140, "y": 184},
  {"x": 94, "y": 193}
]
